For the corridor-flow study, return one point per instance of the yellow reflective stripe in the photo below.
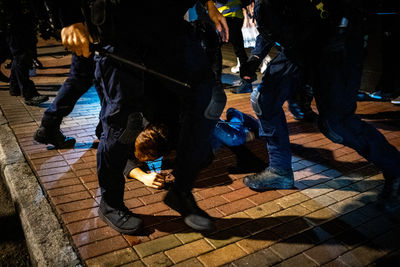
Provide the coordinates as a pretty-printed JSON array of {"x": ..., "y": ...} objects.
[
  {"x": 236, "y": 14},
  {"x": 320, "y": 6},
  {"x": 230, "y": 5},
  {"x": 223, "y": 8}
]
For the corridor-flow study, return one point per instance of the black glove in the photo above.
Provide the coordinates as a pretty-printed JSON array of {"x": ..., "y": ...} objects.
[{"x": 250, "y": 67}]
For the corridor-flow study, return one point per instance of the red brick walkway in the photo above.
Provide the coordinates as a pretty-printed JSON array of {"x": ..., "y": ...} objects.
[{"x": 331, "y": 218}]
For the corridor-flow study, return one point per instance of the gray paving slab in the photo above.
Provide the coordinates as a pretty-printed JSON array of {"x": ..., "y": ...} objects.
[{"x": 47, "y": 241}]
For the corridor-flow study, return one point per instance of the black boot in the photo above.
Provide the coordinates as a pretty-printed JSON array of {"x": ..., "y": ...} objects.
[
  {"x": 184, "y": 203},
  {"x": 121, "y": 219},
  {"x": 300, "y": 104},
  {"x": 36, "y": 100},
  {"x": 55, "y": 137}
]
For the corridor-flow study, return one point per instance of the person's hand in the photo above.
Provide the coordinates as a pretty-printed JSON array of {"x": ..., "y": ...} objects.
[
  {"x": 219, "y": 20},
  {"x": 76, "y": 38},
  {"x": 153, "y": 179}
]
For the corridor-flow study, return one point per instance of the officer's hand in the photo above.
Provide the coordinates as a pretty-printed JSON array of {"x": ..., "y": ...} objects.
[
  {"x": 219, "y": 20},
  {"x": 76, "y": 39},
  {"x": 249, "y": 68}
]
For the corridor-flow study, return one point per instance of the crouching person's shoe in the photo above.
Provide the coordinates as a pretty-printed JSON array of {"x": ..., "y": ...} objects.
[
  {"x": 184, "y": 203},
  {"x": 121, "y": 220},
  {"x": 270, "y": 178},
  {"x": 389, "y": 198},
  {"x": 53, "y": 137}
]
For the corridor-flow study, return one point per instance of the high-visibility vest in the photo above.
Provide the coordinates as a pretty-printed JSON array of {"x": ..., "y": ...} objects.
[{"x": 233, "y": 8}]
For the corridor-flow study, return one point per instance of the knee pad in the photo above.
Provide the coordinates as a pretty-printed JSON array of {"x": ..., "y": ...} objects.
[
  {"x": 328, "y": 129},
  {"x": 217, "y": 104}
]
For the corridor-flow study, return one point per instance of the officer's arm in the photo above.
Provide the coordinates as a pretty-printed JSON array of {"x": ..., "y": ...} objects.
[{"x": 219, "y": 20}]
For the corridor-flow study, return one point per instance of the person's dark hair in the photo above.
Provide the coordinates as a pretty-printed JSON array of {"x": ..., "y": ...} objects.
[{"x": 151, "y": 143}]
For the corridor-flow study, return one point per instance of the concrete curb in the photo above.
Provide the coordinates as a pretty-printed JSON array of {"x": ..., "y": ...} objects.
[{"x": 47, "y": 241}]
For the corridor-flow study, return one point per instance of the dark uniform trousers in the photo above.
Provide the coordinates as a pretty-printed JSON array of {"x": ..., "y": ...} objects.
[
  {"x": 338, "y": 70},
  {"x": 79, "y": 81},
  {"x": 127, "y": 90},
  {"x": 236, "y": 38},
  {"x": 19, "y": 39}
]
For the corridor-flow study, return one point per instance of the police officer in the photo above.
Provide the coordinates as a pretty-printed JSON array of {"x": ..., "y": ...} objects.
[
  {"x": 19, "y": 35},
  {"x": 129, "y": 32},
  {"x": 335, "y": 27},
  {"x": 79, "y": 81}
]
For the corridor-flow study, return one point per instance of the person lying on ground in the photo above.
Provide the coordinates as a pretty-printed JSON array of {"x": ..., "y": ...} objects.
[{"x": 153, "y": 153}]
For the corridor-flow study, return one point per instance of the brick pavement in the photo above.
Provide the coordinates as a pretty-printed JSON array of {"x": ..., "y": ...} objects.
[{"x": 330, "y": 219}]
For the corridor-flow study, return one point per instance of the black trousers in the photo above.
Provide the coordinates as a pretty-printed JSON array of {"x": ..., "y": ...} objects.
[
  {"x": 19, "y": 39},
  {"x": 236, "y": 38},
  {"x": 79, "y": 81}
]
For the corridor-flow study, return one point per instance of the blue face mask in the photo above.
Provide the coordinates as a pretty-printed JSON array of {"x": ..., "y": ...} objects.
[{"x": 155, "y": 165}]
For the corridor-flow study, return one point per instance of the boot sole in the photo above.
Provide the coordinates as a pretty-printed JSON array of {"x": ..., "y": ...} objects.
[
  {"x": 69, "y": 144},
  {"x": 197, "y": 227},
  {"x": 116, "y": 228},
  {"x": 273, "y": 186}
]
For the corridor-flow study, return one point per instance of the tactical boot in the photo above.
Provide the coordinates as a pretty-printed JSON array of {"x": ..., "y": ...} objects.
[
  {"x": 300, "y": 104},
  {"x": 271, "y": 178},
  {"x": 389, "y": 198},
  {"x": 184, "y": 203},
  {"x": 121, "y": 220},
  {"x": 54, "y": 137},
  {"x": 302, "y": 112},
  {"x": 36, "y": 100}
]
